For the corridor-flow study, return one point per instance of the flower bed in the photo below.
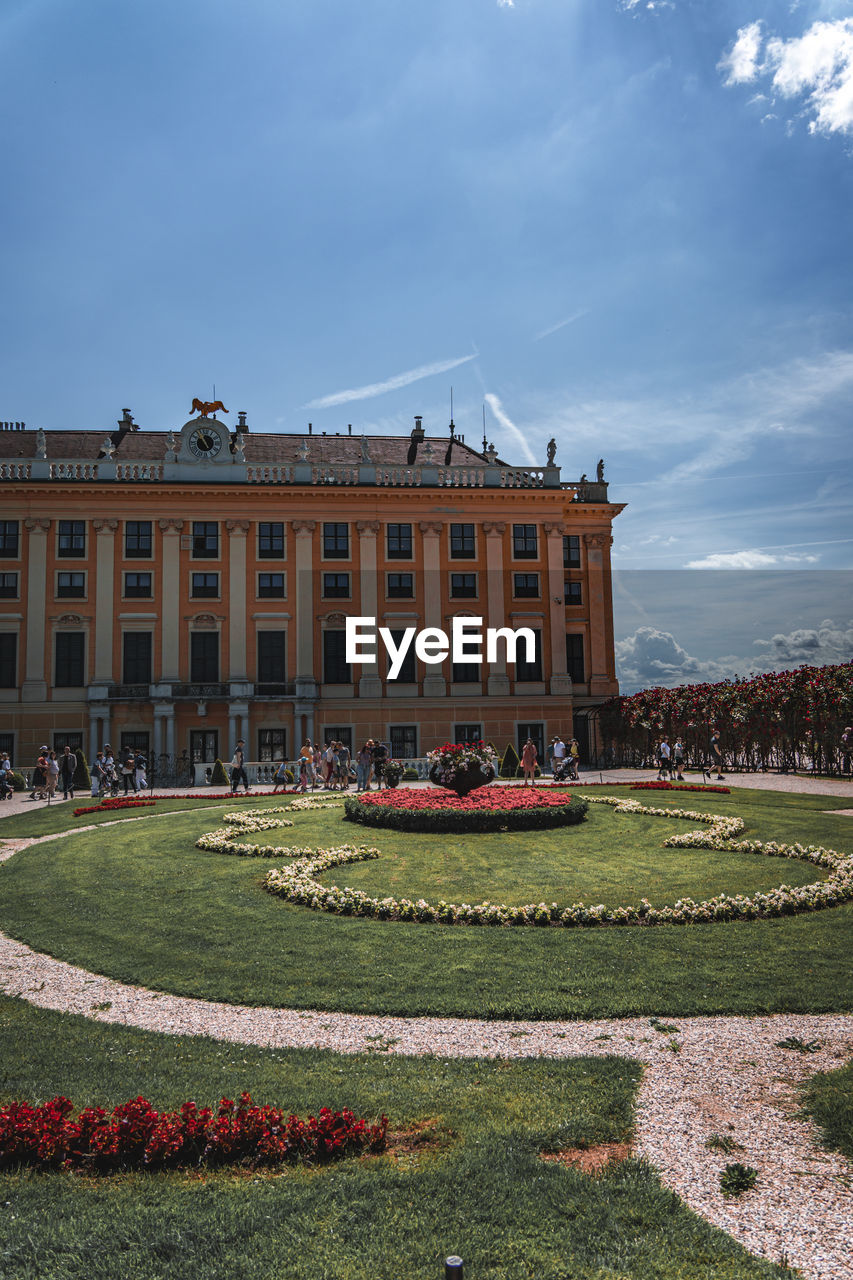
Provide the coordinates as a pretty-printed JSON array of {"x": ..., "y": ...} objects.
[
  {"x": 223, "y": 840},
  {"x": 108, "y": 806},
  {"x": 297, "y": 884},
  {"x": 486, "y": 809},
  {"x": 679, "y": 786},
  {"x": 135, "y": 1136}
]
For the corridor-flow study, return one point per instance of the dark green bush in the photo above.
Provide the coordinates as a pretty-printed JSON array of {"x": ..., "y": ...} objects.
[
  {"x": 82, "y": 779},
  {"x": 509, "y": 763},
  {"x": 219, "y": 778}
]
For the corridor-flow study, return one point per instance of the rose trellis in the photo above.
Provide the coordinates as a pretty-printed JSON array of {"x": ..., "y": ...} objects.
[{"x": 297, "y": 882}]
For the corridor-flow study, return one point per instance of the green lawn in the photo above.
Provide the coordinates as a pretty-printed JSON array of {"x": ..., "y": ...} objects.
[
  {"x": 476, "y": 1186},
  {"x": 828, "y": 1100},
  {"x": 141, "y": 904}
]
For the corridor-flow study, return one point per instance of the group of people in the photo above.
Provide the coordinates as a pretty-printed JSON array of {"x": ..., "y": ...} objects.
[
  {"x": 130, "y": 771},
  {"x": 331, "y": 767},
  {"x": 671, "y": 760},
  {"x": 52, "y": 771},
  {"x": 55, "y": 771}
]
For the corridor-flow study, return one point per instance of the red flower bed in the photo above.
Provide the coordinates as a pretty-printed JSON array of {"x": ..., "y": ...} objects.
[
  {"x": 109, "y": 805},
  {"x": 135, "y": 1136},
  {"x": 486, "y": 809},
  {"x": 677, "y": 786}
]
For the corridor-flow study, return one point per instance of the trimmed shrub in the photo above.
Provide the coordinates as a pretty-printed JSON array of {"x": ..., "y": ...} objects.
[
  {"x": 410, "y": 775},
  {"x": 82, "y": 778},
  {"x": 509, "y": 763},
  {"x": 219, "y": 778},
  {"x": 17, "y": 781}
]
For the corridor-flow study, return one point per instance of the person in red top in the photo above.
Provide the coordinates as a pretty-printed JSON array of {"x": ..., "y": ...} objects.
[{"x": 528, "y": 761}]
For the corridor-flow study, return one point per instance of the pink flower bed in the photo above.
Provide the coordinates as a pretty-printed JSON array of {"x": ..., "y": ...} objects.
[{"x": 483, "y": 800}]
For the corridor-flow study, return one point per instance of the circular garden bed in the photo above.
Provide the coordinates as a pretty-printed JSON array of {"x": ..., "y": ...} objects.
[{"x": 486, "y": 809}]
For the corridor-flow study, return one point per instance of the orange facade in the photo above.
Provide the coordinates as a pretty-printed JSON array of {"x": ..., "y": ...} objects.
[{"x": 176, "y": 605}]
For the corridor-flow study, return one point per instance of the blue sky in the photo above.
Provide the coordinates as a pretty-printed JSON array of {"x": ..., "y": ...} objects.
[{"x": 624, "y": 223}]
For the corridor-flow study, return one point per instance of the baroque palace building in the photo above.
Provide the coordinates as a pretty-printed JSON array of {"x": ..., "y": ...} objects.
[{"x": 175, "y": 591}]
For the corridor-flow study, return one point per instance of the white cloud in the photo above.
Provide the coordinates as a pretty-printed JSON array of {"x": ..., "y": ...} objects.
[
  {"x": 817, "y": 66},
  {"x": 506, "y": 4},
  {"x": 650, "y": 657},
  {"x": 518, "y": 435},
  {"x": 741, "y": 62},
  {"x": 748, "y": 560},
  {"x": 390, "y": 384},
  {"x": 629, "y": 6}
]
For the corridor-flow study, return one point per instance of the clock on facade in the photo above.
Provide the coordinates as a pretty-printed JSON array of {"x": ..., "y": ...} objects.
[{"x": 204, "y": 441}]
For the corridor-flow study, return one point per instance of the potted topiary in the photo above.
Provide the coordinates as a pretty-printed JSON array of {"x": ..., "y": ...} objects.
[{"x": 462, "y": 767}]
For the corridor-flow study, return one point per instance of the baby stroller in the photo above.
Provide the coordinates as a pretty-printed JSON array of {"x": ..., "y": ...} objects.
[{"x": 563, "y": 771}]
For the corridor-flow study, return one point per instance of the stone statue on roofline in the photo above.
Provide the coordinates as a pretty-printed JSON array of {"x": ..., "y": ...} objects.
[
  {"x": 552, "y": 451},
  {"x": 41, "y": 443},
  {"x": 365, "y": 450},
  {"x": 599, "y": 471}
]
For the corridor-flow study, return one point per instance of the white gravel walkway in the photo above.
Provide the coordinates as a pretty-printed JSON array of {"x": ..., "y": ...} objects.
[{"x": 721, "y": 1076}]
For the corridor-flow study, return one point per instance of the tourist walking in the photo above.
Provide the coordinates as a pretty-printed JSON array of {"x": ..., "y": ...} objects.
[
  {"x": 363, "y": 766},
  {"x": 98, "y": 775},
  {"x": 528, "y": 762},
  {"x": 716, "y": 753},
  {"x": 575, "y": 759},
  {"x": 238, "y": 769},
  {"x": 664, "y": 760},
  {"x": 128, "y": 769},
  {"x": 678, "y": 759},
  {"x": 67, "y": 766},
  {"x": 558, "y": 753},
  {"x": 38, "y": 781},
  {"x": 280, "y": 778}
]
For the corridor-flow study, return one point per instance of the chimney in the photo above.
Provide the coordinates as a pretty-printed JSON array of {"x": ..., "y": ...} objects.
[
  {"x": 241, "y": 424},
  {"x": 417, "y": 430}
]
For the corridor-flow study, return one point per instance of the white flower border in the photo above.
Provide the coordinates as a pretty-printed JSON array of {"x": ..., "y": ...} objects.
[
  {"x": 296, "y": 883},
  {"x": 223, "y": 839}
]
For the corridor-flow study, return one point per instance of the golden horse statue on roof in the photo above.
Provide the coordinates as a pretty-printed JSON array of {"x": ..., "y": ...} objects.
[{"x": 207, "y": 407}]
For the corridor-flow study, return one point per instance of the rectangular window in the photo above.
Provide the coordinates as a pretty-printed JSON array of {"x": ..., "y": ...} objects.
[
  {"x": 204, "y": 746},
  {"x": 70, "y": 586},
  {"x": 137, "y": 649},
  {"x": 137, "y": 540},
  {"x": 526, "y": 586},
  {"x": 399, "y": 542},
  {"x": 574, "y": 657},
  {"x": 463, "y": 586},
  {"x": 8, "y": 586},
  {"x": 524, "y": 542},
  {"x": 467, "y": 672},
  {"x": 204, "y": 657},
  {"x": 205, "y": 540},
  {"x": 336, "y": 586},
  {"x": 271, "y": 540},
  {"x": 204, "y": 586},
  {"x": 72, "y": 539},
  {"x": 573, "y": 593},
  {"x": 70, "y": 651},
  {"x": 536, "y": 731},
  {"x": 9, "y": 539},
  {"x": 135, "y": 742},
  {"x": 8, "y": 659},
  {"x": 401, "y": 586},
  {"x": 529, "y": 670},
  {"x": 74, "y": 741},
  {"x": 137, "y": 586},
  {"x": 408, "y": 672},
  {"x": 463, "y": 733},
  {"x": 339, "y": 733},
  {"x": 462, "y": 545},
  {"x": 404, "y": 741},
  {"x": 7, "y": 744},
  {"x": 270, "y": 586},
  {"x": 336, "y": 669},
  {"x": 272, "y": 652},
  {"x": 272, "y": 745},
  {"x": 571, "y": 551},
  {"x": 336, "y": 541}
]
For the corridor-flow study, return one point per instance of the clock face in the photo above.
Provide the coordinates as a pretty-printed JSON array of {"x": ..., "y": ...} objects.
[{"x": 205, "y": 442}]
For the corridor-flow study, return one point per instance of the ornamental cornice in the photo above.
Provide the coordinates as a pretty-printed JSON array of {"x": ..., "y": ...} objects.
[
  {"x": 237, "y": 528},
  {"x": 304, "y": 528},
  {"x": 600, "y": 540},
  {"x": 553, "y": 530},
  {"x": 204, "y": 621},
  {"x": 367, "y": 528},
  {"x": 430, "y": 527},
  {"x": 37, "y": 524},
  {"x": 171, "y": 524},
  {"x": 494, "y": 528},
  {"x": 104, "y": 526},
  {"x": 70, "y": 620}
]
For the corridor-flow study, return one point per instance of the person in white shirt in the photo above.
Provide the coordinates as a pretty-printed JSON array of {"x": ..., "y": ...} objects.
[{"x": 558, "y": 752}]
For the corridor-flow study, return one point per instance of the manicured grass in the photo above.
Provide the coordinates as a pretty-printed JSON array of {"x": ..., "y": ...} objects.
[
  {"x": 828, "y": 1098},
  {"x": 40, "y": 818},
  {"x": 141, "y": 904},
  {"x": 475, "y": 1186}
]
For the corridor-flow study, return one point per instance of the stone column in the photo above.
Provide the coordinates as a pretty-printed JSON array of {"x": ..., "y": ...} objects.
[
  {"x": 498, "y": 683},
  {"x": 35, "y": 685},
  {"x": 435, "y": 685},
  {"x": 597, "y": 562},
  {"x": 560, "y": 682},
  {"x": 105, "y": 531},
  {"x": 306, "y": 684},
  {"x": 237, "y": 530},
  {"x": 370, "y": 682},
  {"x": 170, "y": 669}
]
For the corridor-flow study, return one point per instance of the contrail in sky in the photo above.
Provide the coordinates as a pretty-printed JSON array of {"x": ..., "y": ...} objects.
[
  {"x": 390, "y": 384},
  {"x": 577, "y": 315},
  {"x": 497, "y": 409}
]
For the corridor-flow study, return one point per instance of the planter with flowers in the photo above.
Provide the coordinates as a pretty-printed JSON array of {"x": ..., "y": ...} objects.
[
  {"x": 462, "y": 767},
  {"x": 392, "y": 773}
]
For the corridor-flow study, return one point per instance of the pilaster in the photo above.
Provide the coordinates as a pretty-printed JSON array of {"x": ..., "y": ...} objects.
[
  {"x": 435, "y": 685},
  {"x": 370, "y": 682},
  {"x": 306, "y": 684},
  {"x": 34, "y": 687},
  {"x": 171, "y": 600},
  {"x": 105, "y": 531},
  {"x": 560, "y": 682},
  {"x": 237, "y": 531},
  {"x": 498, "y": 681}
]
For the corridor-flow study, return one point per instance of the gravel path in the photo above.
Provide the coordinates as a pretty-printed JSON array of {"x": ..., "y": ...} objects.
[{"x": 722, "y": 1076}]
